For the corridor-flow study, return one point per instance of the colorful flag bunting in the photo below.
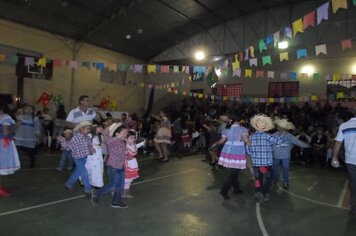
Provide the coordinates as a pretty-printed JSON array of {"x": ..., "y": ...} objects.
[
  {"x": 283, "y": 56},
  {"x": 236, "y": 65},
  {"x": 316, "y": 77},
  {"x": 297, "y": 26},
  {"x": 261, "y": 45},
  {"x": 259, "y": 74},
  {"x": 284, "y": 75},
  {"x": 151, "y": 68},
  {"x": 124, "y": 67},
  {"x": 266, "y": 60},
  {"x": 302, "y": 53},
  {"x": 248, "y": 73},
  {"x": 252, "y": 51},
  {"x": 236, "y": 72},
  {"x": 247, "y": 50},
  {"x": 164, "y": 69},
  {"x": 74, "y": 65},
  {"x": 322, "y": 13},
  {"x": 292, "y": 75},
  {"x": 14, "y": 59},
  {"x": 175, "y": 69},
  {"x": 2, "y": 57},
  {"x": 98, "y": 65},
  {"x": 253, "y": 62},
  {"x": 309, "y": 20},
  {"x": 138, "y": 68},
  {"x": 269, "y": 39},
  {"x": 336, "y": 77},
  {"x": 85, "y": 64},
  {"x": 112, "y": 67},
  {"x": 241, "y": 56},
  {"x": 336, "y": 4},
  {"x": 346, "y": 43},
  {"x": 29, "y": 61},
  {"x": 320, "y": 49},
  {"x": 276, "y": 37},
  {"x": 270, "y": 74},
  {"x": 288, "y": 32}
]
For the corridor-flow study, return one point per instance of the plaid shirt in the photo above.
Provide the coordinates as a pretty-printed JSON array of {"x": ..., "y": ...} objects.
[
  {"x": 261, "y": 148},
  {"x": 80, "y": 145},
  {"x": 117, "y": 152},
  {"x": 65, "y": 144},
  {"x": 282, "y": 151}
]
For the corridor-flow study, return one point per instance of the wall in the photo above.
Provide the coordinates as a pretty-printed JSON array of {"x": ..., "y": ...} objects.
[{"x": 85, "y": 82}]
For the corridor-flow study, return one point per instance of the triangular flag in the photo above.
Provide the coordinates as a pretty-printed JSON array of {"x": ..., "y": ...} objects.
[
  {"x": 304, "y": 75},
  {"x": 138, "y": 68},
  {"x": 327, "y": 77},
  {"x": 252, "y": 51},
  {"x": 259, "y": 74},
  {"x": 29, "y": 61},
  {"x": 292, "y": 75},
  {"x": 2, "y": 57},
  {"x": 247, "y": 50},
  {"x": 248, "y": 73},
  {"x": 309, "y": 20},
  {"x": 41, "y": 62},
  {"x": 322, "y": 13},
  {"x": 261, "y": 45},
  {"x": 98, "y": 65},
  {"x": 187, "y": 69},
  {"x": 270, "y": 74},
  {"x": 253, "y": 62},
  {"x": 346, "y": 43},
  {"x": 112, "y": 67},
  {"x": 14, "y": 59},
  {"x": 288, "y": 32},
  {"x": 284, "y": 75},
  {"x": 266, "y": 60},
  {"x": 236, "y": 65},
  {"x": 269, "y": 39},
  {"x": 338, "y": 4},
  {"x": 74, "y": 65},
  {"x": 175, "y": 69},
  {"x": 302, "y": 53},
  {"x": 58, "y": 63},
  {"x": 276, "y": 37},
  {"x": 345, "y": 76},
  {"x": 297, "y": 26},
  {"x": 316, "y": 77},
  {"x": 241, "y": 56},
  {"x": 320, "y": 49},
  {"x": 85, "y": 64},
  {"x": 283, "y": 56},
  {"x": 151, "y": 68},
  {"x": 164, "y": 69},
  {"x": 123, "y": 67},
  {"x": 336, "y": 77},
  {"x": 236, "y": 72}
]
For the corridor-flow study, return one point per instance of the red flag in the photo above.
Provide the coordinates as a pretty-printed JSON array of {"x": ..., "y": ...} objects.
[{"x": 309, "y": 20}]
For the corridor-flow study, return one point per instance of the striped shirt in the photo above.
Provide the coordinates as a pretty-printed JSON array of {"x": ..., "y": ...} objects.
[
  {"x": 117, "y": 152},
  {"x": 80, "y": 145},
  {"x": 282, "y": 151},
  {"x": 260, "y": 150},
  {"x": 347, "y": 133}
]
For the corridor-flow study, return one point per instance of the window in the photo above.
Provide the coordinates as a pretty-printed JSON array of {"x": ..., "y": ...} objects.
[
  {"x": 283, "y": 89},
  {"x": 230, "y": 90}
]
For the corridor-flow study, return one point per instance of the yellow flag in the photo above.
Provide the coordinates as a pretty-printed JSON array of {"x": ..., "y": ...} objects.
[
  {"x": 271, "y": 100},
  {"x": 41, "y": 62},
  {"x": 336, "y": 77},
  {"x": 340, "y": 95},
  {"x": 252, "y": 51},
  {"x": 112, "y": 66},
  {"x": 248, "y": 73},
  {"x": 297, "y": 26},
  {"x": 314, "y": 98},
  {"x": 236, "y": 65},
  {"x": 151, "y": 68},
  {"x": 283, "y": 56},
  {"x": 2, "y": 57},
  {"x": 339, "y": 4}
]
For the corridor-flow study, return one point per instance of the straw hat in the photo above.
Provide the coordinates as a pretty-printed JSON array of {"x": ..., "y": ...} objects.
[
  {"x": 224, "y": 118},
  {"x": 113, "y": 127},
  {"x": 81, "y": 125},
  {"x": 262, "y": 122},
  {"x": 67, "y": 131},
  {"x": 284, "y": 124}
]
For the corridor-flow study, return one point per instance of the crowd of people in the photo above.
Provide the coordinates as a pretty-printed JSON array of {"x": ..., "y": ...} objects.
[{"x": 258, "y": 137}]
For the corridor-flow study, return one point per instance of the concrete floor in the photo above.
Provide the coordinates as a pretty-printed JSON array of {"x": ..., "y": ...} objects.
[{"x": 180, "y": 197}]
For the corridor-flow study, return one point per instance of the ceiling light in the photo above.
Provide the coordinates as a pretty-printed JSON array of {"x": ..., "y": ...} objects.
[
  {"x": 308, "y": 69},
  {"x": 283, "y": 45},
  {"x": 217, "y": 58},
  {"x": 128, "y": 36},
  {"x": 140, "y": 31},
  {"x": 199, "y": 55},
  {"x": 353, "y": 69}
]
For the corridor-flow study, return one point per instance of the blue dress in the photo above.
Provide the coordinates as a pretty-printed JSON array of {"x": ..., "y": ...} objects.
[{"x": 9, "y": 158}]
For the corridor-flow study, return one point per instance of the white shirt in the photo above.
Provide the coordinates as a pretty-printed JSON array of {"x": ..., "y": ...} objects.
[
  {"x": 347, "y": 133},
  {"x": 76, "y": 116}
]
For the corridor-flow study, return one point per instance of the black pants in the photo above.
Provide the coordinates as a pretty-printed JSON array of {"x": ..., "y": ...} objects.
[
  {"x": 232, "y": 181},
  {"x": 31, "y": 152}
]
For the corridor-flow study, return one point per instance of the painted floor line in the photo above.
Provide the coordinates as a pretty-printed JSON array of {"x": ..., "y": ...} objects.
[
  {"x": 311, "y": 200},
  {"x": 81, "y": 196},
  {"x": 343, "y": 193},
  {"x": 260, "y": 220}
]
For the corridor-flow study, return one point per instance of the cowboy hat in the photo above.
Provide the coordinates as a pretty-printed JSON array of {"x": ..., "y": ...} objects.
[
  {"x": 113, "y": 127},
  {"x": 67, "y": 131},
  {"x": 284, "y": 124},
  {"x": 224, "y": 118},
  {"x": 262, "y": 122},
  {"x": 81, "y": 125}
]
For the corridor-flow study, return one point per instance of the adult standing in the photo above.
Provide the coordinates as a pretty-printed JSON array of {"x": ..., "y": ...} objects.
[
  {"x": 233, "y": 154},
  {"x": 82, "y": 113},
  {"x": 347, "y": 135}
]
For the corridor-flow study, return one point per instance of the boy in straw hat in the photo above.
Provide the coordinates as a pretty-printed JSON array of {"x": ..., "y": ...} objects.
[
  {"x": 81, "y": 148},
  {"x": 261, "y": 154},
  {"x": 66, "y": 157},
  {"x": 281, "y": 152}
]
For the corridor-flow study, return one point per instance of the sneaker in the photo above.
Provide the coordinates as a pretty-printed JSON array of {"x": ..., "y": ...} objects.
[
  {"x": 259, "y": 197},
  {"x": 94, "y": 199},
  {"x": 120, "y": 205}
]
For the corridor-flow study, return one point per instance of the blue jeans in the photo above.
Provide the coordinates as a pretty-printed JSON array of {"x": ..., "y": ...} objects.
[
  {"x": 265, "y": 179},
  {"x": 81, "y": 171},
  {"x": 66, "y": 158},
  {"x": 285, "y": 166},
  {"x": 117, "y": 182},
  {"x": 351, "y": 170}
]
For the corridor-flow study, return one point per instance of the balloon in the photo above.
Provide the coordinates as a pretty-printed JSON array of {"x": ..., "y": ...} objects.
[
  {"x": 58, "y": 100},
  {"x": 104, "y": 103},
  {"x": 113, "y": 105},
  {"x": 44, "y": 99}
]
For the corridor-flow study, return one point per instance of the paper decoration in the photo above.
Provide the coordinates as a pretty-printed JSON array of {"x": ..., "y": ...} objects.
[
  {"x": 320, "y": 49},
  {"x": 236, "y": 72},
  {"x": 316, "y": 77},
  {"x": 248, "y": 73},
  {"x": 74, "y": 65},
  {"x": 151, "y": 68},
  {"x": 252, "y": 51},
  {"x": 336, "y": 77},
  {"x": 288, "y": 32},
  {"x": 276, "y": 37},
  {"x": 261, "y": 45},
  {"x": 266, "y": 60},
  {"x": 354, "y": 2},
  {"x": 338, "y": 4},
  {"x": 175, "y": 69},
  {"x": 247, "y": 50},
  {"x": 304, "y": 76},
  {"x": 241, "y": 56},
  {"x": 271, "y": 100},
  {"x": 259, "y": 74},
  {"x": 14, "y": 59},
  {"x": 283, "y": 56},
  {"x": 58, "y": 100},
  {"x": 302, "y": 53},
  {"x": 113, "y": 105},
  {"x": 236, "y": 65},
  {"x": 2, "y": 57},
  {"x": 297, "y": 26},
  {"x": 112, "y": 67},
  {"x": 340, "y": 95},
  {"x": 292, "y": 75},
  {"x": 327, "y": 77},
  {"x": 99, "y": 65},
  {"x": 29, "y": 61},
  {"x": 270, "y": 74},
  {"x": 164, "y": 69},
  {"x": 44, "y": 99},
  {"x": 123, "y": 67},
  {"x": 284, "y": 75},
  {"x": 138, "y": 68},
  {"x": 345, "y": 76},
  {"x": 322, "y": 13},
  {"x": 346, "y": 43},
  {"x": 309, "y": 20},
  {"x": 253, "y": 62},
  {"x": 104, "y": 103},
  {"x": 187, "y": 69},
  {"x": 58, "y": 63},
  {"x": 314, "y": 98},
  {"x": 269, "y": 39}
]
